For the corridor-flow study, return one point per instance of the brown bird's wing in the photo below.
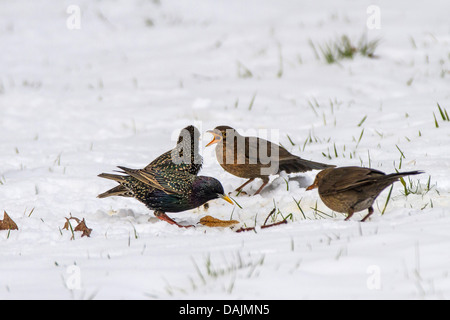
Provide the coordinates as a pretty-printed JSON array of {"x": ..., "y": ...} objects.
[
  {"x": 171, "y": 182},
  {"x": 286, "y": 161},
  {"x": 301, "y": 165},
  {"x": 346, "y": 178},
  {"x": 261, "y": 150}
]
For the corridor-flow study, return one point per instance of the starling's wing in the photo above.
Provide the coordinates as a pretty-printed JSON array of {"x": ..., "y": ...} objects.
[
  {"x": 175, "y": 160},
  {"x": 347, "y": 178},
  {"x": 184, "y": 156},
  {"x": 171, "y": 182},
  {"x": 163, "y": 159}
]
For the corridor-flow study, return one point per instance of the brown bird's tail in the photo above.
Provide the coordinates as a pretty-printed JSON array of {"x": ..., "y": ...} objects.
[
  {"x": 298, "y": 164},
  {"x": 383, "y": 181},
  {"x": 398, "y": 175},
  {"x": 119, "y": 190}
]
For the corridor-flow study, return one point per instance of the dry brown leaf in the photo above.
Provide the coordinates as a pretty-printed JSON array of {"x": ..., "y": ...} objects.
[
  {"x": 66, "y": 224},
  {"x": 214, "y": 222},
  {"x": 7, "y": 223},
  {"x": 81, "y": 226}
]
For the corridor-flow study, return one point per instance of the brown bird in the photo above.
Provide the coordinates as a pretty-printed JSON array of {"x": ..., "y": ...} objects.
[
  {"x": 352, "y": 189},
  {"x": 252, "y": 157}
]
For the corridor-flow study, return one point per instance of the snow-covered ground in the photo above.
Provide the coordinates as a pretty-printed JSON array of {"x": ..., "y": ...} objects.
[{"x": 81, "y": 94}]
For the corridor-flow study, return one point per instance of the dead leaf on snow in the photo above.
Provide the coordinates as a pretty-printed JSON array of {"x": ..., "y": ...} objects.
[
  {"x": 214, "y": 222},
  {"x": 81, "y": 226},
  {"x": 7, "y": 223}
]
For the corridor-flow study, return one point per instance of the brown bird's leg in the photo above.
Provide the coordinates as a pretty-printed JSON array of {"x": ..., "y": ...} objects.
[
  {"x": 164, "y": 217},
  {"x": 265, "y": 182},
  {"x": 351, "y": 211},
  {"x": 368, "y": 215},
  {"x": 241, "y": 187}
]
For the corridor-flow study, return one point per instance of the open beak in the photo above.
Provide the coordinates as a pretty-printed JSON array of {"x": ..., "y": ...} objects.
[
  {"x": 215, "y": 139},
  {"x": 226, "y": 198}
]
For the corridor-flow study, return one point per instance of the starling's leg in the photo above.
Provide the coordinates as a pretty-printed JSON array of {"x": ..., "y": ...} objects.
[
  {"x": 164, "y": 217},
  {"x": 368, "y": 215},
  {"x": 265, "y": 182},
  {"x": 351, "y": 211},
  {"x": 242, "y": 187}
]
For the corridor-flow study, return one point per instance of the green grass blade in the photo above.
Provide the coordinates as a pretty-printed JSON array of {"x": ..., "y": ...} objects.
[
  {"x": 387, "y": 200},
  {"x": 435, "y": 121},
  {"x": 252, "y": 101},
  {"x": 362, "y": 121},
  {"x": 441, "y": 112}
]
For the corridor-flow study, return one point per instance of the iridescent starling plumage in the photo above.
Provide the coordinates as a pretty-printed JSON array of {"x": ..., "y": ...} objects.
[
  {"x": 168, "y": 190},
  {"x": 169, "y": 183},
  {"x": 184, "y": 157}
]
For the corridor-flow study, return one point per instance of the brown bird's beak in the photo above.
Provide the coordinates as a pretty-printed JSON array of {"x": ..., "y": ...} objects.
[
  {"x": 226, "y": 198},
  {"x": 313, "y": 186},
  {"x": 215, "y": 139}
]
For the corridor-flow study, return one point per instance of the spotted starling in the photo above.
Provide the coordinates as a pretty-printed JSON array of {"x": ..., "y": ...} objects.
[
  {"x": 184, "y": 157},
  {"x": 352, "y": 189},
  {"x": 252, "y": 157},
  {"x": 163, "y": 190}
]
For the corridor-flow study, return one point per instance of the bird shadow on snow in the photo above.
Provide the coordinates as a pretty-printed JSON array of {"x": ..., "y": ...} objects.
[
  {"x": 281, "y": 181},
  {"x": 144, "y": 217},
  {"x": 137, "y": 216}
]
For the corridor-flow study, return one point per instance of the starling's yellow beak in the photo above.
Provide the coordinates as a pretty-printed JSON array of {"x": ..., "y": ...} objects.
[
  {"x": 226, "y": 198},
  {"x": 215, "y": 139}
]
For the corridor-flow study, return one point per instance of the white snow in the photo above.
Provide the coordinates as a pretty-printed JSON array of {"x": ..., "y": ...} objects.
[{"x": 78, "y": 102}]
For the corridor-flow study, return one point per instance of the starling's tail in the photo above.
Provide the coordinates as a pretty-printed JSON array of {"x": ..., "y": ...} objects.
[
  {"x": 298, "y": 164},
  {"x": 116, "y": 191},
  {"x": 119, "y": 190},
  {"x": 114, "y": 177}
]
